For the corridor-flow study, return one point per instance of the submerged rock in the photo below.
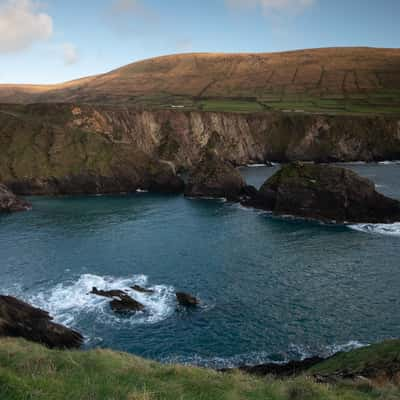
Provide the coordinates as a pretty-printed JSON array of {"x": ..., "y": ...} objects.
[
  {"x": 19, "y": 319},
  {"x": 214, "y": 177},
  {"x": 186, "y": 300},
  {"x": 9, "y": 202},
  {"x": 121, "y": 302},
  {"x": 326, "y": 193},
  {"x": 140, "y": 289}
]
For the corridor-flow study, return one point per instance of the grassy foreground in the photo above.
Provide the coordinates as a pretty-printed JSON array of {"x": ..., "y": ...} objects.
[{"x": 30, "y": 371}]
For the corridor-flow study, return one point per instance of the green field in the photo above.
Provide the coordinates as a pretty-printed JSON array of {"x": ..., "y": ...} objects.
[
  {"x": 30, "y": 371},
  {"x": 377, "y": 103}
]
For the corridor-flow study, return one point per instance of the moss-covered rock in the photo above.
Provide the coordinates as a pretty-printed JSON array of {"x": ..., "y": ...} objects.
[{"x": 327, "y": 193}]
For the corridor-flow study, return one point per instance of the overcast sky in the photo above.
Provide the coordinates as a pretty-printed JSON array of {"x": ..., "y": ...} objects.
[{"x": 48, "y": 41}]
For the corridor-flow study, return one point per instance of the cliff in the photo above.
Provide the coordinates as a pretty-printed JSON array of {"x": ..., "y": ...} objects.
[{"x": 65, "y": 148}]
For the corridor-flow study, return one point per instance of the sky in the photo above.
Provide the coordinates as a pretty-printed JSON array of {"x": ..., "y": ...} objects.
[{"x": 52, "y": 41}]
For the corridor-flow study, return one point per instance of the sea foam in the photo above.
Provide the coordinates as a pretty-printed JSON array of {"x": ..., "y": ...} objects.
[
  {"x": 294, "y": 352},
  {"x": 68, "y": 301},
  {"x": 382, "y": 229}
]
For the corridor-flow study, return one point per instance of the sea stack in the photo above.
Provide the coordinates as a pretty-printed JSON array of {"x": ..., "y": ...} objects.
[{"x": 327, "y": 193}]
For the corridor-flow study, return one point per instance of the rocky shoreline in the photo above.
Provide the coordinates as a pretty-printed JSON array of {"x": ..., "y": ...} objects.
[{"x": 56, "y": 149}]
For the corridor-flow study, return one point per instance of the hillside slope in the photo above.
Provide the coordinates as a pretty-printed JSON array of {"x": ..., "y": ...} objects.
[
  {"x": 309, "y": 79},
  {"x": 29, "y": 371}
]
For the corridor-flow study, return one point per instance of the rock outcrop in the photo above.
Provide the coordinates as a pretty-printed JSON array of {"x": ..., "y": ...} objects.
[
  {"x": 19, "y": 319},
  {"x": 65, "y": 148},
  {"x": 187, "y": 300},
  {"x": 326, "y": 193},
  {"x": 121, "y": 301},
  {"x": 289, "y": 369},
  {"x": 141, "y": 289},
  {"x": 214, "y": 177},
  {"x": 9, "y": 202}
]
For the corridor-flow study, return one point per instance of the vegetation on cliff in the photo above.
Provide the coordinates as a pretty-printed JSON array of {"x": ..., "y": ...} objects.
[
  {"x": 68, "y": 149},
  {"x": 30, "y": 371}
]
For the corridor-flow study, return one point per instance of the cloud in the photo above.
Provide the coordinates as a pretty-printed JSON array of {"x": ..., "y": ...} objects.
[
  {"x": 71, "y": 55},
  {"x": 272, "y": 6},
  {"x": 22, "y": 24}
]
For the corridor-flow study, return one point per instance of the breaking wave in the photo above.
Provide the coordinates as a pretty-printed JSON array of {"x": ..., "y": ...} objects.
[
  {"x": 68, "y": 302},
  {"x": 382, "y": 229}
]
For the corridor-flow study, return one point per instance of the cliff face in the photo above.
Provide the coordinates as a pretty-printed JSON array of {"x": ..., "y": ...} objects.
[{"x": 62, "y": 148}]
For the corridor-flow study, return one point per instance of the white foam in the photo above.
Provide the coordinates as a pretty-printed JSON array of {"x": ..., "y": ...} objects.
[
  {"x": 339, "y": 348},
  {"x": 66, "y": 302},
  {"x": 382, "y": 229},
  {"x": 141, "y": 191},
  {"x": 389, "y": 162},
  {"x": 295, "y": 352},
  {"x": 256, "y": 165}
]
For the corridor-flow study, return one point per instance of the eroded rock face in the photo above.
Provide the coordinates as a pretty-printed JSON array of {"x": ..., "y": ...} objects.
[
  {"x": 214, "y": 177},
  {"x": 11, "y": 203},
  {"x": 325, "y": 193},
  {"x": 19, "y": 319},
  {"x": 78, "y": 149}
]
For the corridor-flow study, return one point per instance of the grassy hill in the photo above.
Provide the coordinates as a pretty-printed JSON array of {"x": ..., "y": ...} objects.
[
  {"x": 331, "y": 80},
  {"x": 30, "y": 371}
]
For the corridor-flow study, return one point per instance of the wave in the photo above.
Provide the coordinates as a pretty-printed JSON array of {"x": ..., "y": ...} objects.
[
  {"x": 382, "y": 229},
  {"x": 394, "y": 162},
  {"x": 295, "y": 352},
  {"x": 68, "y": 302}
]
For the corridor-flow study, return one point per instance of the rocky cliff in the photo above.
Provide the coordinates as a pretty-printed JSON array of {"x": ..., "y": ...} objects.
[{"x": 63, "y": 148}]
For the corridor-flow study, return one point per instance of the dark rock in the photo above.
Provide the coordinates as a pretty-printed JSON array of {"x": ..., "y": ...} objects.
[
  {"x": 186, "y": 300},
  {"x": 326, "y": 193},
  {"x": 125, "y": 304},
  {"x": 140, "y": 289},
  {"x": 11, "y": 203},
  {"x": 121, "y": 303},
  {"x": 214, "y": 177},
  {"x": 249, "y": 192},
  {"x": 19, "y": 319},
  {"x": 108, "y": 293},
  {"x": 292, "y": 368}
]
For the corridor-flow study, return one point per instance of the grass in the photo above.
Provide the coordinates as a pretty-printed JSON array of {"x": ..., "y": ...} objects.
[
  {"x": 379, "y": 102},
  {"x": 230, "y": 105},
  {"x": 30, "y": 371},
  {"x": 356, "y": 361}
]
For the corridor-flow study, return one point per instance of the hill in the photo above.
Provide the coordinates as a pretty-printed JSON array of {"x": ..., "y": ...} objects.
[
  {"x": 30, "y": 371},
  {"x": 338, "y": 80}
]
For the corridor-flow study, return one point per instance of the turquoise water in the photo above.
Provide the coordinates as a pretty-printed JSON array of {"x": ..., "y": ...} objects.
[{"x": 271, "y": 289}]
